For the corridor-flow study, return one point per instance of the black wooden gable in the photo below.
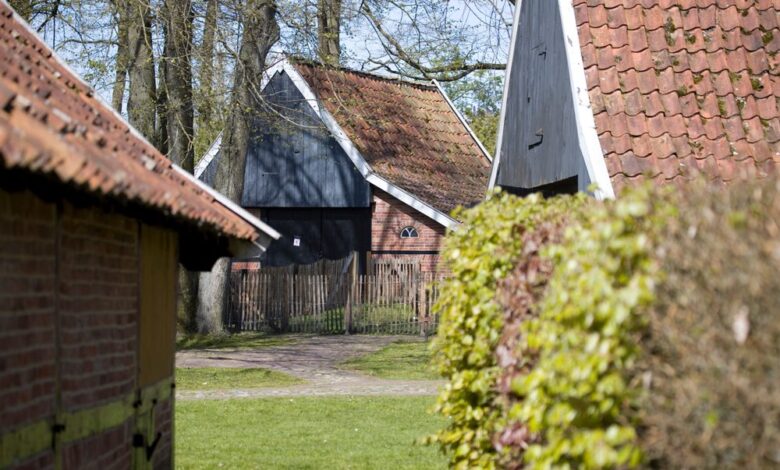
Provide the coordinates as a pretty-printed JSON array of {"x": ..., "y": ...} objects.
[{"x": 293, "y": 161}]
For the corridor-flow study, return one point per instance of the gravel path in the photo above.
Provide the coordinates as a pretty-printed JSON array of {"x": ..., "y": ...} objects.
[{"x": 314, "y": 359}]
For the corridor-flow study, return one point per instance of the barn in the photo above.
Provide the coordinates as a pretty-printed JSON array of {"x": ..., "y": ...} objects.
[
  {"x": 343, "y": 161},
  {"x": 93, "y": 224},
  {"x": 614, "y": 93}
]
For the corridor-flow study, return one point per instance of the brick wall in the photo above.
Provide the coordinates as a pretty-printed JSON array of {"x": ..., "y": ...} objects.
[
  {"x": 27, "y": 311},
  {"x": 389, "y": 216},
  {"x": 87, "y": 280},
  {"x": 163, "y": 420},
  {"x": 98, "y": 305}
]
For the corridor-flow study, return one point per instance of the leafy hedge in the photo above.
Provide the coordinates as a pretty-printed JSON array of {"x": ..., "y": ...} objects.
[
  {"x": 478, "y": 254},
  {"x": 556, "y": 330},
  {"x": 711, "y": 351}
]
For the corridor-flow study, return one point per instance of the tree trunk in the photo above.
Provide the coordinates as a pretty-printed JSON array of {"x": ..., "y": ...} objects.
[
  {"x": 260, "y": 32},
  {"x": 142, "y": 100},
  {"x": 118, "y": 92},
  {"x": 206, "y": 78},
  {"x": 329, "y": 31},
  {"x": 177, "y": 118}
]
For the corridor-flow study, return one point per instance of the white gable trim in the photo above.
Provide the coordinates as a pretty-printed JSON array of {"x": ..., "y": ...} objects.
[
  {"x": 208, "y": 157},
  {"x": 410, "y": 200},
  {"x": 357, "y": 158},
  {"x": 590, "y": 147},
  {"x": 588, "y": 138},
  {"x": 463, "y": 121},
  {"x": 349, "y": 148},
  {"x": 505, "y": 97}
]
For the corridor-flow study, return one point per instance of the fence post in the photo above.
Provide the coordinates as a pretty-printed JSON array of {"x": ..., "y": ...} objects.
[
  {"x": 284, "y": 320},
  {"x": 353, "y": 270}
]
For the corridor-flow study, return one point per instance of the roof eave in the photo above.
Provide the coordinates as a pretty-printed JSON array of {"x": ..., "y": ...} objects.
[{"x": 263, "y": 229}]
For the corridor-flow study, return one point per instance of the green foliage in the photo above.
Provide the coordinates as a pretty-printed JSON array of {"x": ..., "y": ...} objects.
[
  {"x": 636, "y": 331},
  {"x": 479, "y": 253},
  {"x": 485, "y": 126},
  {"x": 584, "y": 339},
  {"x": 479, "y": 99},
  {"x": 712, "y": 350}
]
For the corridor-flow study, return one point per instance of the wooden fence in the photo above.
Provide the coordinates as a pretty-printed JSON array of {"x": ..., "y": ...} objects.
[{"x": 337, "y": 302}]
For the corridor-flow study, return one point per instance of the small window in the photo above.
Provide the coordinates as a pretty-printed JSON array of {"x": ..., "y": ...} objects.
[{"x": 409, "y": 232}]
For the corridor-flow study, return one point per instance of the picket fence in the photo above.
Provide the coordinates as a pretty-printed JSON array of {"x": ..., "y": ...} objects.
[{"x": 332, "y": 303}]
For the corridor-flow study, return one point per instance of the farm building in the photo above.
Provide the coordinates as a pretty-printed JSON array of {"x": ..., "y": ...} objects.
[
  {"x": 611, "y": 93},
  {"x": 344, "y": 161},
  {"x": 93, "y": 223}
]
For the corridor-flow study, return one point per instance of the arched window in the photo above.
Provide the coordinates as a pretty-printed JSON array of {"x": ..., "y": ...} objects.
[{"x": 409, "y": 232}]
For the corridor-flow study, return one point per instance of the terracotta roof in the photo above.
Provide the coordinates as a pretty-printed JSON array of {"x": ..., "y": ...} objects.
[
  {"x": 683, "y": 86},
  {"x": 407, "y": 133},
  {"x": 52, "y": 124}
]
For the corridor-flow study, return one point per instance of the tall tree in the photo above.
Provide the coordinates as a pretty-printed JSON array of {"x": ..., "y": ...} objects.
[
  {"x": 261, "y": 31},
  {"x": 178, "y": 82},
  {"x": 120, "y": 73},
  {"x": 208, "y": 125},
  {"x": 329, "y": 31},
  {"x": 206, "y": 57},
  {"x": 142, "y": 99},
  {"x": 178, "y": 120}
]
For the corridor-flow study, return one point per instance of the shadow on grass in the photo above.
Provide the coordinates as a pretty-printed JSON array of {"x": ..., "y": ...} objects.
[
  {"x": 210, "y": 378},
  {"x": 232, "y": 341}
]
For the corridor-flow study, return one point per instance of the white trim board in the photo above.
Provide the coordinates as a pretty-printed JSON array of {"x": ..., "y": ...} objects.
[
  {"x": 587, "y": 136},
  {"x": 209, "y": 156},
  {"x": 463, "y": 121},
  {"x": 354, "y": 154},
  {"x": 227, "y": 203},
  {"x": 504, "y": 98}
]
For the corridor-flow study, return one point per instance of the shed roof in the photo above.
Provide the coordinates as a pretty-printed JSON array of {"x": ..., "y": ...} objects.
[
  {"x": 408, "y": 133},
  {"x": 683, "y": 86},
  {"x": 52, "y": 124}
]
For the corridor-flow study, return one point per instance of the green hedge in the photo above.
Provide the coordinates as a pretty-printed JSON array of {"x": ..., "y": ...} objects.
[
  {"x": 479, "y": 253},
  {"x": 549, "y": 335}
]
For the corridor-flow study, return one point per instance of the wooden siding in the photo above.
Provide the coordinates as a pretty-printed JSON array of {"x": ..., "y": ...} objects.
[
  {"x": 540, "y": 143},
  {"x": 157, "y": 341},
  {"x": 297, "y": 165},
  {"x": 322, "y": 234}
]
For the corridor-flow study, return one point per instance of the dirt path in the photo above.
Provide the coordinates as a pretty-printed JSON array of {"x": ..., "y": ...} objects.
[{"x": 314, "y": 359}]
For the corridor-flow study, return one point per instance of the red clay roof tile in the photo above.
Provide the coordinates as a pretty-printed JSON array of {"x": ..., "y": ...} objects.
[
  {"x": 695, "y": 89},
  {"x": 52, "y": 124},
  {"x": 406, "y": 132}
]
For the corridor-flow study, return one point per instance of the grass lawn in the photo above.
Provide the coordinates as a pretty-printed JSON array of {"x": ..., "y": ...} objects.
[
  {"x": 231, "y": 341},
  {"x": 307, "y": 433},
  {"x": 220, "y": 378},
  {"x": 401, "y": 360}
]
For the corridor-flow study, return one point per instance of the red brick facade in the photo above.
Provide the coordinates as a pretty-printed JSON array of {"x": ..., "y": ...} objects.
[
  {"x": 389, "y": 217},
  {"x": 69, "y": 300}
]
